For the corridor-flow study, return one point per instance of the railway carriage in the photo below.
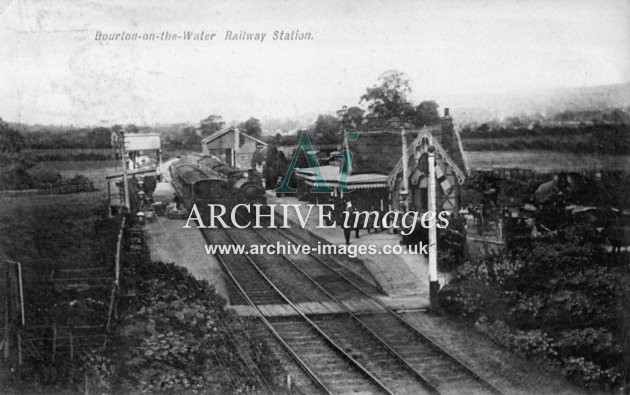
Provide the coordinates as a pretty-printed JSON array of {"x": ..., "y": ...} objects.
[
  {"x": 207, "y": 180},
  {"x": 248, "y": 183}
]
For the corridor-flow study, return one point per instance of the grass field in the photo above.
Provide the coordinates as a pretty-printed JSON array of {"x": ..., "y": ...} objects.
[
  {"x": 45, "y": 232},
  {"x": 94, "y": 170},
  {"x": 546, "y": 161},
  {"x": 479, "y": 140},
  {"x": 21, "y": 218}
]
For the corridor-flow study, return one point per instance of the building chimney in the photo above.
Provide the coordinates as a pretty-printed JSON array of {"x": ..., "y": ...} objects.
[{"x": 447, "y": 132}]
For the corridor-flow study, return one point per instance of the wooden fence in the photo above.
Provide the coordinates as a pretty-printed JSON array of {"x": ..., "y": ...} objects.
[
  {"x": 12, "y": 309},
  {"x": 113, "y": 302},
  {"x": 477, "y": 247}
]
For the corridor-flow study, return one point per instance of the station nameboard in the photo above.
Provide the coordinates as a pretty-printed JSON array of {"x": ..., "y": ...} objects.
[{"x": 142, "y": 142}]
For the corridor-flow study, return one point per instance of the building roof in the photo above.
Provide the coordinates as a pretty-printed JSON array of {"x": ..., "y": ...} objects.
[
  {"x": 440, "y": 151},
  {"x": 331, "y": 176},
  {"x": 227, "y": 130}
]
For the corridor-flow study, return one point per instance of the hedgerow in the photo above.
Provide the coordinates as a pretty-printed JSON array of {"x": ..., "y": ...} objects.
[
  {"x": 559, "y": 302},
  {"x": 175, "y": 335}
]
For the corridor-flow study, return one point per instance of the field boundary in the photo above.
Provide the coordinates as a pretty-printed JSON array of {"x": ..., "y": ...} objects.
[{"x": 59, "y": 189}]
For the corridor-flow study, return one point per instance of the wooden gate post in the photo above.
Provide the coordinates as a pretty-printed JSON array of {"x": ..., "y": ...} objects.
[{"x": 7, "y": 314}]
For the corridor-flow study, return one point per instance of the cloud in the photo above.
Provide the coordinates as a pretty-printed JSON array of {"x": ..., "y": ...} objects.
[{"x": 55, "y": 71}]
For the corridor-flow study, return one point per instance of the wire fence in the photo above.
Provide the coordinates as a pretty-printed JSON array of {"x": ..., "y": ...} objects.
[
  {"x": 22, "y": 339},
  {"x": 70, "y": 186}
]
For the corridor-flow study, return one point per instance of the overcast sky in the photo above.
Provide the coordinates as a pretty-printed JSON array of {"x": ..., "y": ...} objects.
[{"x": 52, "y": 70}]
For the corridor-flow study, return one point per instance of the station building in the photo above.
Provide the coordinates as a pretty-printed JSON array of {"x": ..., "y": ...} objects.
[
  {"x": 142, "y": 158},
  {"x": 408, "y": 186},
  {"x": 378, "y": 174},
  {"x": 233, "y": 147}
]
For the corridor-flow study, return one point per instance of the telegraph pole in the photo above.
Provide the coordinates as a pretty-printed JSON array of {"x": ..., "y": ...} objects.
[
  {"x": 405, "y": 171},
  {"x": 124, "y": 167},
  {"x": 434, "y": 286}
]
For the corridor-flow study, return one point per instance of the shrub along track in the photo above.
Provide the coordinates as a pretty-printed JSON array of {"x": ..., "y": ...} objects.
[{"x": 377, "y": 352}]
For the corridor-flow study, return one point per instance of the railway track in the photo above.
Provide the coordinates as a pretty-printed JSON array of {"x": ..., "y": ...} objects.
[
  {"x": 378, "y": 352},
  {"x": 332, "y": 369}
]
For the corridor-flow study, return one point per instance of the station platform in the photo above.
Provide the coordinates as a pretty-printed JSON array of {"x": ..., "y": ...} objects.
[
  {"x": 169, "y": 243},
  {"x": 400, "y": 276}
]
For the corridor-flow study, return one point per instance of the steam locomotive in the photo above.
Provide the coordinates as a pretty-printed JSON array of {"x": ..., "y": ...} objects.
[{"x": 204, "y": 180}]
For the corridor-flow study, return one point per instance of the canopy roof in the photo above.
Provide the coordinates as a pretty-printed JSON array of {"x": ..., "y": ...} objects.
[{"x": 331, "y": 175}]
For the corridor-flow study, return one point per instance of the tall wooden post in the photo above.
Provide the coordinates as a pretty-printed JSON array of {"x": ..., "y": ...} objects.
[
  {"x": 434, "y": 286},
  {"x": 7, "y": 314},
  {"x": 405, "y": 165},
  {"x": 124, "y": 166}
]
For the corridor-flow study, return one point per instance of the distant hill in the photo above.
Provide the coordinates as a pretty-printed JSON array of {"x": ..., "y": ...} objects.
[
  {"x": 544, "y": 103},
  {"x": 271, "y": 126},
  {"x": 483, "y": 107}
]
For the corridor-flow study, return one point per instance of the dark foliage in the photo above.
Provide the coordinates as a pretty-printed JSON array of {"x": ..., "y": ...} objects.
[
  {"x": 557, "y": 300},
  {"x": 176, "y": 335}
]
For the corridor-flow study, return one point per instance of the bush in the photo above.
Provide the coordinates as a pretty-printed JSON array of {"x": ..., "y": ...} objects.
[
  {"x": 557, "y": 301},
  {"x": 597, "y": 344},
  {"x": 534, "y": 344},
  {"x": 45, "y": 177},
  {"x": 452, "y": 243},
  {"x": 589, "y": 373},
  {"x": 16, "y": 176},
  {"x": 177, "y": 336}
]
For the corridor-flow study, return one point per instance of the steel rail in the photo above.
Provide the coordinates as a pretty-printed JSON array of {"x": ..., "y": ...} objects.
[
  {"x": 430, "y": 342},
  {"x": 266, "y": 322},
  {"x": 430, "y": 386},
  {"x": 327, "y": 338}
]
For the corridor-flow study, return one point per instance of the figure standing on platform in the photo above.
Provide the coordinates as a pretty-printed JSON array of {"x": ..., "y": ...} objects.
[
  {"x": 178, "y": 202},
  {"x": 347, "y": 227}
]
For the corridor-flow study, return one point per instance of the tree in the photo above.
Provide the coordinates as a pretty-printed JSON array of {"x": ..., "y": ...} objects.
[
  {"x": 131, "y": 128},
  {"x": 212, "y": 124},
  {"x": 389, "y": 98},
  {"x": 11, "y": 141},
  {"x": 426, "y": 113},
  {"x": 251, "y": 127},
  {"x": 513, "y": 122},
  {"x": 350, "y": 117},
  {"x": 99, "y": 137},
  {"x": 327, "y": 127},
  {"x": 275, "y": 166},
  {"x": 190, "y": 138}
]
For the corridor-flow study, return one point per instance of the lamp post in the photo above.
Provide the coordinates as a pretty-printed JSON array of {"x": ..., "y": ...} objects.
[{"x": 434, "y": 286}]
